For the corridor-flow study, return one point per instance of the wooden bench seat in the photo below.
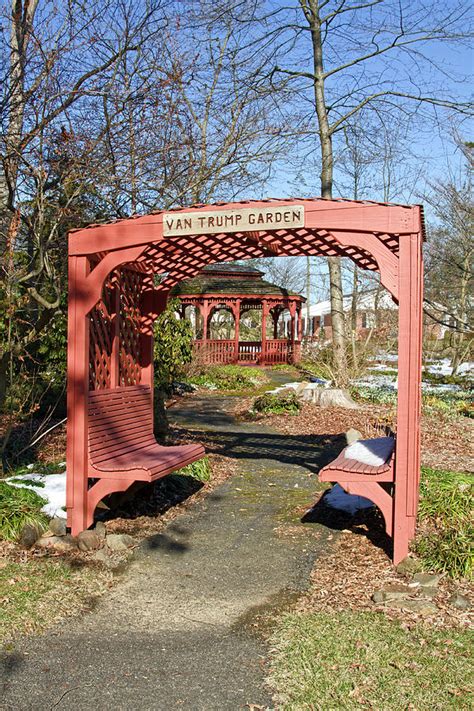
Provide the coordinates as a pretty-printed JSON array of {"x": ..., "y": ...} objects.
[
  {"x": 352, "y": 470},
  {"x": 121, "y": 440},
  {"x": 364, "y": 480}
]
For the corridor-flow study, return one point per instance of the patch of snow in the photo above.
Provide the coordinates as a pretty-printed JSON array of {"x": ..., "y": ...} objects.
[
  {"x": 378, "y": 381},
  {"x": 338, "y": 499},
  {"x": 291, "y": 386},
  {"x": 51, "y": 487},
  {"x": 373, "y": 452},
  {"x": 443, "y": 367},
  {"x": 389, "y": 357},
  {"x": 429, "y": 388}
]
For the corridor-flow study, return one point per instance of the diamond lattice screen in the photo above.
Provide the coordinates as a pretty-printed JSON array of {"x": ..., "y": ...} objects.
[
  {"x": 101, "y": 338},
  {"x": 131, "y": 283}
]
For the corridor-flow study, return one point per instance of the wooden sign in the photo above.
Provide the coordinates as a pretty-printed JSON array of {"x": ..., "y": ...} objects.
[{"x": 246, "y": 219}]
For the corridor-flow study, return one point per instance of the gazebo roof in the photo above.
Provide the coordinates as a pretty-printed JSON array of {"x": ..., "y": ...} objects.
[{"x": 231, "y": 279}]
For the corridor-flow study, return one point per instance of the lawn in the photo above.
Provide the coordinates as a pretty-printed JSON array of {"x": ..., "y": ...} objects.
[
  {"x": 349, "y": 660},
  {"x": 36, "y": 593}
]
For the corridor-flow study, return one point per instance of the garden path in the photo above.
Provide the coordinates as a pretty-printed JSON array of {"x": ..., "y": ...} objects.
[{"x": 178, "y": 630}]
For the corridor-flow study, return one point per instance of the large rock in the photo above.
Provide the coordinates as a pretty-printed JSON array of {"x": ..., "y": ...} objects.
[
  {"x": 63, "y": 544},
  {"x": 329, "y": 397},
  {"x": 89, "y": 541},
  {"x": 115, "y": 562},
  {"x": 408, "y": 566},
  {"x": 428, "y": 580},
  {"x": 423, "y": 607},
  {"x": 461, "y": 602},
  {"x": 30, "y": 533},
  {"x": 57, "y": 526},
  {"x": 393, "y": 591},
  {"x": 100, "y": 529},
  {"x": 120, "y": 541},
  {"x": 48, "y": 541}
]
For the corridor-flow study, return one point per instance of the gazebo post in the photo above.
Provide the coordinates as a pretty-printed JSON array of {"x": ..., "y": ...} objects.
[
  {"x": 77, "y": 390},
  {"x": 263, "y": 355},
  {"x": 236, "y": 310},
  {"x": 292, "y": 309},
  {"x": 205, "y": 316},
  {"x": 407, "y": 459}
]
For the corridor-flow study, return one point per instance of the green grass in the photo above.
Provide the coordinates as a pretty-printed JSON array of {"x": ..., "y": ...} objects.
[
  {"x": 446, "y": 513},
  {"x": 21, "y": 588},
  {"x": 230, "y": 378},
  {"x": 349, "y": 660},
  {"x": 285, "y": 368},
  {"x": 438, "y": 379},
  {"x": 200, "y": 470},
  {"x": 18, "y": 507},
  {"x": 277, "y": 404},
  {"x": 36, "y": 593}
]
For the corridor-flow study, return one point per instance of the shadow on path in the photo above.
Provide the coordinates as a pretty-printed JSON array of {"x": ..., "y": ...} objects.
[{"x": 170, "y": 634}]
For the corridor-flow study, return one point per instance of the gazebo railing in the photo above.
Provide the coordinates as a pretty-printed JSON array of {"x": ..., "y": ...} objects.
[
  {"x": 216, "y": 351},
  {"x": 250, "y": 351},
  {"x": 275, "y": 350}
]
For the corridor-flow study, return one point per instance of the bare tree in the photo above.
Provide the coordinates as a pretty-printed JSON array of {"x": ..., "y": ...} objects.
[
  {"x": 57, "y": 60},
  {"x": 341, "y": 57},
  {"x": 450, "y": 261}
]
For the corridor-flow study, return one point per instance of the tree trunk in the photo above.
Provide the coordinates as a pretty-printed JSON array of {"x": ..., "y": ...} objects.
[
  {"x": 311, "y": 10},
  {"x": 458, "y": 338},
  {"x": 4, "y": 362},
  {"x": 308, "y": 296}
]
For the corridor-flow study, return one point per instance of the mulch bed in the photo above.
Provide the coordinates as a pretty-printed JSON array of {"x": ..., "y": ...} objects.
[
  {"x": 446, "y": 442},
  {"x": 357, "y": 565}
]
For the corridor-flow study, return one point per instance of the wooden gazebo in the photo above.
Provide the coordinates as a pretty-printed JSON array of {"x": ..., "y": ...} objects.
[
  {"x": 120, "y": 276},
  {"x": 239, "y": 289}
]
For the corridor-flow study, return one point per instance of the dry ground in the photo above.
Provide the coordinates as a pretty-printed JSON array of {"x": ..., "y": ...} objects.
[{"x": 446, "y": 442}]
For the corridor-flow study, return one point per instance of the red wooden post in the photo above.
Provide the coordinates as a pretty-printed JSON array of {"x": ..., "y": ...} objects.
[
  {"x": 236, "y": 310},
  {"x": 263, "y": 355},
  {"x": 205, "y": 316},
  {"x": 292, "y": 309},
  {"x": 153, "y": 304},
  {"x": 77, "y": 392},
  {"x": 407, "y": 460}
]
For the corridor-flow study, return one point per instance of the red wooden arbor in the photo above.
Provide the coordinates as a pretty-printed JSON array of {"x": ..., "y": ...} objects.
[
  {"x": 240, "y": 289},
  {"x": 114, "y": 299}
]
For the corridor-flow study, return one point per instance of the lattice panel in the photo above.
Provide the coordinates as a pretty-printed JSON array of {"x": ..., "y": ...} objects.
[
  {"x": 182, "y": 257},
  {"x": 101, "y": 338},
  {"x": 131, "y": 283}
]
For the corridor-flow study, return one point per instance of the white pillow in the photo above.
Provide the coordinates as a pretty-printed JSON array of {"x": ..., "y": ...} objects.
[{"x": 373, "y": 452}]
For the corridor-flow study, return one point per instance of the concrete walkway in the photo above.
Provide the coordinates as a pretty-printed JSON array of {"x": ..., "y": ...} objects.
[{"x": 177, "y": 632}]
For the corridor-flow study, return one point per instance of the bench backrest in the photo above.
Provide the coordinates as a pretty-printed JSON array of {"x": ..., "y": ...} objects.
[{"x": 120, "y": 419}]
